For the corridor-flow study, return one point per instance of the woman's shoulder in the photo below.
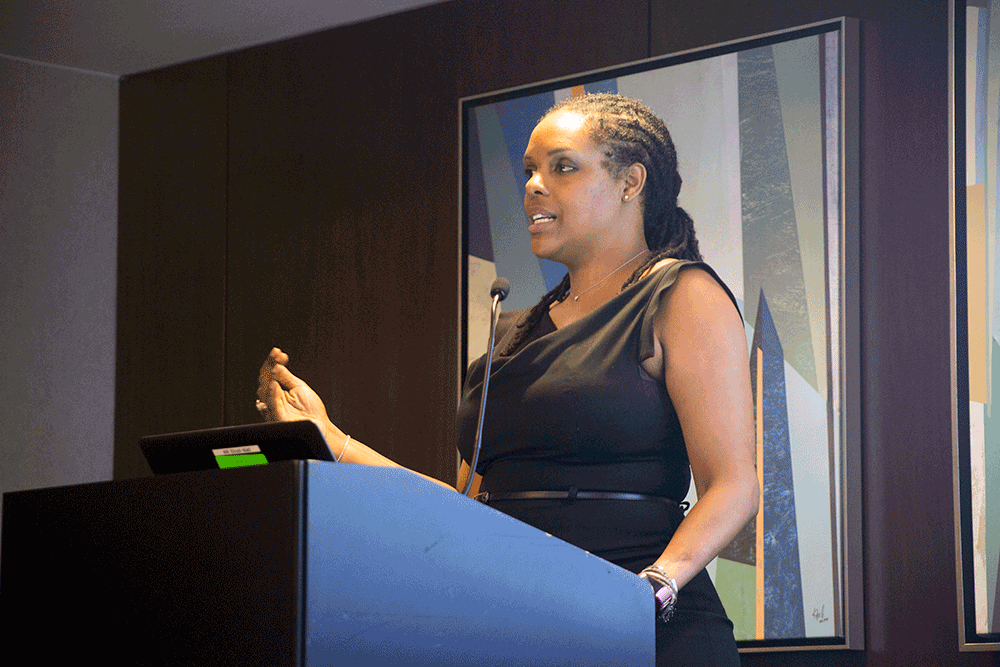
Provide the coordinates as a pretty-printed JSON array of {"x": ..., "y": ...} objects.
[
  {"x": 691, "y": 277},
  {"x": 669, "y": 269},
  {"x": 692, "y": 287}
]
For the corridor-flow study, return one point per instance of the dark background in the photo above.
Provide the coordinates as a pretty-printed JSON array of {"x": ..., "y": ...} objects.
[{"x": 163, "y": 227}]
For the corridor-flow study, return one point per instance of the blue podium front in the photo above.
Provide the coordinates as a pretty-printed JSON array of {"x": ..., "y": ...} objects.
[{"x": 306, "y": 563}]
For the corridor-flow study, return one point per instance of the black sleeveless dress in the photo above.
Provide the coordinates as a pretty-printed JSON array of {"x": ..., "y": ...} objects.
[{"x": 572, "y": 407}]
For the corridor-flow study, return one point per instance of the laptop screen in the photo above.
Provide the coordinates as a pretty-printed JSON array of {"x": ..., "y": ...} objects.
[{"x": 234, "y": 446}]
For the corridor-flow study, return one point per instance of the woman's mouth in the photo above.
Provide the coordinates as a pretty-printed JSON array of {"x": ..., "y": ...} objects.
[{"x": 538, "y": 221}]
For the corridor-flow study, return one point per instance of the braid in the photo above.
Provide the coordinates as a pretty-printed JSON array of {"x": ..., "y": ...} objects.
[
  {"x": 630, "y": 133},
  {"x": 528, "y": 324},
  {"x": 683, "y": 244}
]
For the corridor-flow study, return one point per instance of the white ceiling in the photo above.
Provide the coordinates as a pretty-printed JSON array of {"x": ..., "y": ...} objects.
[{"x": 121, "y": 37}]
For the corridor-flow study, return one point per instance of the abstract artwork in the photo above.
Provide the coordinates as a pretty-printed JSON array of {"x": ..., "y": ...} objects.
[
  {"x": 763, "y": 130},
  {"x": 976, "y": 295}
]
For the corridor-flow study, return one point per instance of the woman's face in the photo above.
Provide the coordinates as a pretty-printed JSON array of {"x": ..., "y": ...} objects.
[{"x": 574, "y": 205}]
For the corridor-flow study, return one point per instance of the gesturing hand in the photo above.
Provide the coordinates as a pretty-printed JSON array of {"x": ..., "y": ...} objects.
[{"x": 287, "y": 397}]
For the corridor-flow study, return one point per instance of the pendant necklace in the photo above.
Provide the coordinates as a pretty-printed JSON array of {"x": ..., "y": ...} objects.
[{"x": 576, "y": 297}]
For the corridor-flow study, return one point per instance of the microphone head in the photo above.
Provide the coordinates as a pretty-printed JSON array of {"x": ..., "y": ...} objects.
[{"x": 501, "y": 288}]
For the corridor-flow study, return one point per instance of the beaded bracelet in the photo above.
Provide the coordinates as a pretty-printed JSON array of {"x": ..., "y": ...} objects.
[{"x": 664, "y": 591}]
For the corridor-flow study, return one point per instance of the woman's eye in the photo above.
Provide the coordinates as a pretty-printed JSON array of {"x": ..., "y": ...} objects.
[{"x": 564, "y": 167}]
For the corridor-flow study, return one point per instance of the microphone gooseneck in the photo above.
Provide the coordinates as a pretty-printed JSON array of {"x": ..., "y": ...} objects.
[{"x": 500, "y": 290}]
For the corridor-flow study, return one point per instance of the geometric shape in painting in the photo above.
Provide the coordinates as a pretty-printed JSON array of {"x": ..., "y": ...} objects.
[
  {"x": 991, "y": 487},
  {"x": 991, "y": 157},
  {"x": 809, "y": 437},
  {"x": 481, "y": 275},
  {"x": 480, "y": 243},
  {"x": 796, "y": 67},
  {"x": 977, "y": 470},
  {"x": 784, "y": 615},
  {"x": 606, "y": 86},
  {"x": 743, "y": 547},
  {"x": 978, "y": 286},
  {"x": 736, "y": 583},
  {"x": 995, "y": 625},
  {"x": 518, "y": 118},
  {"x": 976, "y": 96},
  {"x": 505, "y": 203},
  {"x": 771, "y": 256}
]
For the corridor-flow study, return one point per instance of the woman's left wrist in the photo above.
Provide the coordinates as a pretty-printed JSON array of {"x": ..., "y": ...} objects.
[{"x": 664, "y": 590}]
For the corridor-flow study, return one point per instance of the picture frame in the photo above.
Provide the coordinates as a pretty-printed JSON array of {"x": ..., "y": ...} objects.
[
  {"x": 974, "y": 50},
  {"x": 766, "y": 130}
]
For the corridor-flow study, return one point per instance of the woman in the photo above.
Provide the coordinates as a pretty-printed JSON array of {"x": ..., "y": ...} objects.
[{"x": 626, "y": 379}]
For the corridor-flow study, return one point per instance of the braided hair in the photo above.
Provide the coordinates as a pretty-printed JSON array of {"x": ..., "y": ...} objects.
[{"x": 629, "y": 133}]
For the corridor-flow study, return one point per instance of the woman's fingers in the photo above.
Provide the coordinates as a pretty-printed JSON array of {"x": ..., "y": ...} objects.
[
  {"x": 284, "y": 377},
  {"x": 281, "y": 396},
  {"x": 274, "y": 358}
]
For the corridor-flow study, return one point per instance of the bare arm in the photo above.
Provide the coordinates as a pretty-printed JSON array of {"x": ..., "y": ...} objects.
[
  {"x": 702, "y": 346},
  {"x": 288, "y": 398}
]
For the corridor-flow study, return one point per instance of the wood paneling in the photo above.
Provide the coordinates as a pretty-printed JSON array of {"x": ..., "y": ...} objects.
[
  {"x": 504, "y": 44},
  {"x": 171, "y": 255},
  {"x": 343, "y": 241}
]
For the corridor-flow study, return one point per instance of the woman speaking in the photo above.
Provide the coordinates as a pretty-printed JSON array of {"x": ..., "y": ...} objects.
[{"x": 623, "y": 382}]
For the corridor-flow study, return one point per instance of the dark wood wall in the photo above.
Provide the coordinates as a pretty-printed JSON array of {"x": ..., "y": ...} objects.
[
  {"x": 337, "y": 240},
  {"x": 171, "y": 255}
]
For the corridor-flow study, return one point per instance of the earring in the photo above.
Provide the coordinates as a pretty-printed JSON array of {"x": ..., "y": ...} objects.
[{"x": 625, "y": 198}]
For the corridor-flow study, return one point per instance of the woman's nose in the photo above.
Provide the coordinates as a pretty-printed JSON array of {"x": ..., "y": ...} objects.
[{"x": 535, "y": 185}]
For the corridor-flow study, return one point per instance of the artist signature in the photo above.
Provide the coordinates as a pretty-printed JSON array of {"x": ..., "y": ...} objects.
[{"x": 820, "y": 614}]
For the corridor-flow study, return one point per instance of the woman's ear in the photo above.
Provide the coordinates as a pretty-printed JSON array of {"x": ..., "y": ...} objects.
[{"x": 635, "y": 181}]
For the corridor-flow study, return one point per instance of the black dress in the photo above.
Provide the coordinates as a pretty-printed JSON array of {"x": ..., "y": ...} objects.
[{"x": 572, "y": 407}]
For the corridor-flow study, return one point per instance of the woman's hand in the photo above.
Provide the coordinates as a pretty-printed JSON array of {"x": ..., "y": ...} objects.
[{"x": 287, "y": 397}]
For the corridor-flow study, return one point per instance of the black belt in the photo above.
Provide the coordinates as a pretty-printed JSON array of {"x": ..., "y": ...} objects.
[{"x": 574, "y": 494}]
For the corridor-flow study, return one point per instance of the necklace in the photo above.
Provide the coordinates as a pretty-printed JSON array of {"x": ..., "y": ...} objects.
[{"x": 576, "y": 297}]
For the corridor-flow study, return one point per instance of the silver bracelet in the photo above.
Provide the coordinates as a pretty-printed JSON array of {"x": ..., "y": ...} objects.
[
  {"x": 664, "y": 590},
  {"x": 342, "y": 451}
]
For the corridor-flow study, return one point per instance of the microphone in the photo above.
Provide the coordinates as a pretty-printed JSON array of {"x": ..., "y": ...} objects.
[{"x": 500, "y": 290}]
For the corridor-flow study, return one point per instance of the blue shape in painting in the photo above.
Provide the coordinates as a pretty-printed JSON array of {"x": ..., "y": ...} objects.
[
  {"x": 982, "y": 48},
  {"x": 771, "y": 254},
  {"x": 552, "y": 272},
  {"x": 518, "y": 118},
  {"x": 606, "y": 86},
  {"x": 783, "y": 609}
]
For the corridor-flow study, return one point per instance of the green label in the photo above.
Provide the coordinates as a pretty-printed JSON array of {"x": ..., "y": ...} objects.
[{"x": 240, "y": 460}]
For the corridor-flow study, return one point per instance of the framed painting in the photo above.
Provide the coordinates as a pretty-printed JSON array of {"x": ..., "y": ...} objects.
[
  {"x": 974, "y": 112},
  {"x": 766, "y": 131}
]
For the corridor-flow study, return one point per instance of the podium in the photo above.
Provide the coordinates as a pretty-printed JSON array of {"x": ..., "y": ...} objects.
[{"x": 305, "y": 563}]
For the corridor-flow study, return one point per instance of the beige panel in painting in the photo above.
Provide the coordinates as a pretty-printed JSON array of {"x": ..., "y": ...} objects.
[
  {"x": 977, "y": 458},
  {"x": 482, "y": 273}
]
